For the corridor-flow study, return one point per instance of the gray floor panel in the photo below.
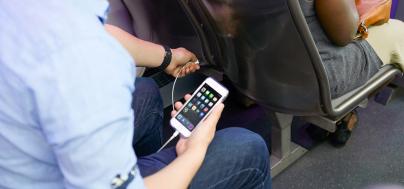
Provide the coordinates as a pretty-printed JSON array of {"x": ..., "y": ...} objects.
[{"x": 374, "y": 154}]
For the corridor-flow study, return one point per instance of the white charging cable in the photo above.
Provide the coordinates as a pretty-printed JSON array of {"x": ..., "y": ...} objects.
[
  {"x": 175, "y": 82},
  {"x": 176, "y": 133}
]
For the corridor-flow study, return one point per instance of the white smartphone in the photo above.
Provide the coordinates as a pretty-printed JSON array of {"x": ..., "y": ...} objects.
[{"x": 199, "y": 106}]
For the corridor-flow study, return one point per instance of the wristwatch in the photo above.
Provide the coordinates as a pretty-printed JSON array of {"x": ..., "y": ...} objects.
[{"x": 167, "y": 58}]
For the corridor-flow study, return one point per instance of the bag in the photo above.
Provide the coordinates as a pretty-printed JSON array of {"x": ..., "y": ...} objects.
[{"x": 372, "y": 12}]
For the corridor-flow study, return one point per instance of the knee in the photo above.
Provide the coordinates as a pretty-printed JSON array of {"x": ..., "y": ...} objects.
[
  {"x": 245, "y": 147},
  {"x": 147, "y": 90},
  {"x": 147, "y": 86},
  {"x": 236, "y": 157}
]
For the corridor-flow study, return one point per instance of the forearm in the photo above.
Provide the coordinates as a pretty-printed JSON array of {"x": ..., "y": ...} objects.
[
  {"x": 179, "y": 173},
  {"x": 339, "y": 18},
  {"x": 144, "y": 53}
]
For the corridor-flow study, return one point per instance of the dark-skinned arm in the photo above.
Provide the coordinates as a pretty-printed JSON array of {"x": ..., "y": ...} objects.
[{"x": 339, "y": 19}]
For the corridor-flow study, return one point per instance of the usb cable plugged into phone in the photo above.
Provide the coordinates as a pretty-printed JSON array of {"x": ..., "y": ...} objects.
[
  {"x": 176, "y": 133},
  {"x": 197, "y": 108}
]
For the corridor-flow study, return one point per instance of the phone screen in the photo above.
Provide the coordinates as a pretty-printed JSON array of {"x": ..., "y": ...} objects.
[{"x": 198, "y": 107}]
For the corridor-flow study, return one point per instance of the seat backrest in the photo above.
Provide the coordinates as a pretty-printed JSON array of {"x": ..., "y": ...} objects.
[
  {"x": 163, "y": 22},
  {"x": 264, "y": 46},
  {"x": 400, "y": 11},
  {"x": 144, "y": 18},
  {"x": 265, "y": 53},
  {"x": 119, "y": 15},
  {"x": 269, "y": 53}
]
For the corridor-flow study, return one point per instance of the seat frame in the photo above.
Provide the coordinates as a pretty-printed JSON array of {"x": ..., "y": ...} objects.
[
  {"x": 333, "y": 109},
  {"x": 284, "y": 151},
  {"x": 325, "y": 112}
]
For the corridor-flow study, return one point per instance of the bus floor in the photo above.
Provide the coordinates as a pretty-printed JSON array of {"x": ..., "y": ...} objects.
[{"x": 373, "y": 155}]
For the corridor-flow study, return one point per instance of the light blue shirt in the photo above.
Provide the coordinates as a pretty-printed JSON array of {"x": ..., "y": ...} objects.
[{"x": 65, "y": 98}]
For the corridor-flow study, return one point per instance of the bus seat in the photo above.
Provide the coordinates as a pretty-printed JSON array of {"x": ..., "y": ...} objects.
[
  {"x": 121, "y": 15},
  {"x": 158, "y": 21},
  {"x": 266, "y": 50}
]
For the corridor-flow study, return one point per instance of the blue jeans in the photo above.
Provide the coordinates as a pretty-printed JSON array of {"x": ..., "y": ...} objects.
[
  {"x": 236, "y": 158},
  {"x": 148, "y": 107}
]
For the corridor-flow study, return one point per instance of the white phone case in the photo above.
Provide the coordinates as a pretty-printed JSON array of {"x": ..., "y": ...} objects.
[{"x": 214, "y": 85}]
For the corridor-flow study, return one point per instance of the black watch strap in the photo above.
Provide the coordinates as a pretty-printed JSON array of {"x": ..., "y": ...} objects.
[{"x": 167, "y": 58}]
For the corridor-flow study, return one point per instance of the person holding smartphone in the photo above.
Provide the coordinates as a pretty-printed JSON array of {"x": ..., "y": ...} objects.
[{"x": 66, "y": 117}]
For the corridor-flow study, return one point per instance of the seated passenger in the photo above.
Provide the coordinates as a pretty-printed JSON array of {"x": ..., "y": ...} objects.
[
  {"x": 66, "y": 119},
  {"x": 350, "y": 62},
  {"x": 387, "y": 39},
  {"x": 147, "y": 104}
]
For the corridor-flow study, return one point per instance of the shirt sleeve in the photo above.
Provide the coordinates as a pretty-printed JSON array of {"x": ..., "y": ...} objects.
[{"x": 83, "y": 97}]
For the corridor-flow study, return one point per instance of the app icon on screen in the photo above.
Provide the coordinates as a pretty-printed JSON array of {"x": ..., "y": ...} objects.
[
  {"x": 184, "y": 121},
  {"x": 210, "y": 96}
]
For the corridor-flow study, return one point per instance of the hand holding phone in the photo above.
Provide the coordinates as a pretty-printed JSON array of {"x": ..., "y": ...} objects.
[
  {"x": 208, "y": 95},
  {"x": 203, "y": 134}
]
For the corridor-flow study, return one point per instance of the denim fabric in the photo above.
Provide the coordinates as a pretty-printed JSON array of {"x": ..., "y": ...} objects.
[
  {"x": 150, "y": 164},
  {"x": 148, "y": 107},
  {"x": 236, "y": 158}
]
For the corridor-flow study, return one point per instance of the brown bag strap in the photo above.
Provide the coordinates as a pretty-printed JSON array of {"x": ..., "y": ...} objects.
[{"x": 363, "y": 31}]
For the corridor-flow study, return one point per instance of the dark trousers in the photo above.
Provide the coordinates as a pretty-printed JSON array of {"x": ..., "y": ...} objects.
[{"x": 236, "y": 158}]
